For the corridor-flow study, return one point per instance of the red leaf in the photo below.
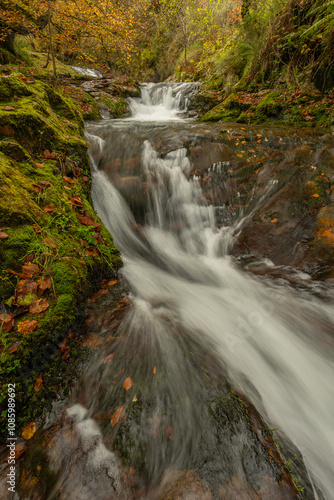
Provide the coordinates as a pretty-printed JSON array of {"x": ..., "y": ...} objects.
[
  {"x": 116, "y": 416},
  {"x": 86, "y": 220},
  {"x": 19, "y": 450}
]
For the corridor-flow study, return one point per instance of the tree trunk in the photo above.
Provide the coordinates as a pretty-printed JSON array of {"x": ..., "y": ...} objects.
[{"x": 51, "y": 44}]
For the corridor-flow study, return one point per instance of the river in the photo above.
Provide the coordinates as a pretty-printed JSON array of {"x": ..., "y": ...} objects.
[{"x": 195, "y": 298}]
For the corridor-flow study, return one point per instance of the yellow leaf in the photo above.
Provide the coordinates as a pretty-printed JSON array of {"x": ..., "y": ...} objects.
[
  {"x": 315, "y": 195},
  {"x": 29, "y": 431},
  {"x": 127, "y": 384}
]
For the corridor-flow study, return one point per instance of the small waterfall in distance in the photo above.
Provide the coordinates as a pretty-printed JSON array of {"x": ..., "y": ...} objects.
[{"x": 163, "y": 101}]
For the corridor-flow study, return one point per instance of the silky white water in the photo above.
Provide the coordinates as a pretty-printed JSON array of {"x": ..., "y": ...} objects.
[{"x": 276, "y": 343}]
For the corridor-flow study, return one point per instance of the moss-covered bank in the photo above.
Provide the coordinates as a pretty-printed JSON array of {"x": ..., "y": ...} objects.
[
  {"x": 250, "y": 105},
  {"x": 53, "y": 247}
]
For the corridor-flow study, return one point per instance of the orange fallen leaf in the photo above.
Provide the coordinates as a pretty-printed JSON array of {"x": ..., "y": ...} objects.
[
  {"x": 30, "y": 270},
  {"x": 8, "y": 108},
  {"x": 127, "y": 383},
  {"x": 85, "y": 178},
  {"x": 19, "y": 450},
  {"x": 154, "y": 370},
  {"x": 6, "y": 322},
  {"x": 239, "y": 156},
  {"x": 274, "y": 220},
  {"x": 49, "y": 242},
  {"x": 44, "y": 283},
  {"x": 116, "y": 416},
  {"x": 27, "y": 326},
  {"x": 315, "y": 195},
  {"x": 39, "y": 165},
  {"x": 67, "y": 188},
  {"x": 49, "y": 209},
  {"x": 76, "y": 201},
  {"x": 112, "y": 283},
  {"x": 49, "y": 156},
  {"x": 251, "y": 150},
  {"x": 39, "y": 383},
  {"x": 68, "y": 179},
  {"x": 37, "y": 229},
  {"x": 29, "y": 431},
  {"x": 3, "y": 236},
  {"x": 14, "y": 347},
  {"x": 39, "y": 306}
]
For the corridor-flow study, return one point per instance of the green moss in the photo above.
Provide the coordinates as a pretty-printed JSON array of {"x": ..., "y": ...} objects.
[
  {"x": 66, "y": 278},
  {"x": 228, "y": 111},
  {"x": 117, "y": 106},
  {"x": 269, "y": 107}
]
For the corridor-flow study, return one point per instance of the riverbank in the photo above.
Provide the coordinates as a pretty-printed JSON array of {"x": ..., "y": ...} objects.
[{"x": 54, "y": 250}]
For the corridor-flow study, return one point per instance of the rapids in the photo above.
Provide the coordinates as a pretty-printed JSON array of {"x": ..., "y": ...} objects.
[{"x": 274, "y": 342}]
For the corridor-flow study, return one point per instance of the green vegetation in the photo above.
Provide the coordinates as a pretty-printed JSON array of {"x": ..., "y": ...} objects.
[{"x": 47, "y": 221}]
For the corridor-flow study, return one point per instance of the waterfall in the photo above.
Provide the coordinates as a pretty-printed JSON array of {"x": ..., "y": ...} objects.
[
  {"x": 163, "y": 101},
  {"x": 275, "y": 344}
]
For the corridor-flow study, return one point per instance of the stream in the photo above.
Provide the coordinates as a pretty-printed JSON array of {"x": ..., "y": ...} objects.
[{"x": 207, "y": 324}]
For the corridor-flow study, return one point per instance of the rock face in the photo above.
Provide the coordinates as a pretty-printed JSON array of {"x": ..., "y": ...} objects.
[{"x": 110, "y": 95}]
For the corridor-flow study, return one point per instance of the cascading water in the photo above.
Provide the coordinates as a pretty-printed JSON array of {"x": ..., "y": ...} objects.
[
  {"x": 162, "y": 101},
  {"x": 192, "y": 302},
  {"x": 266, "y": 336}
]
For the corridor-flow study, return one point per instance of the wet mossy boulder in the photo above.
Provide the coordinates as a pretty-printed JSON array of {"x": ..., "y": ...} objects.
[
  {"x": 228, "y": 111},
  {"x": 37, "y": 116}
]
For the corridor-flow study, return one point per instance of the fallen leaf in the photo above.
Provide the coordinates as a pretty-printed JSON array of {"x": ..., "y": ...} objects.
[
  {"x": 251, "y": 150},
  {"x": 315, "y": 195},
  {"x": 14, "y": 347},
  {"x": 19, "y": 450},
  {"x": 39, "y": 165},
  {"x": 108, "y": 358},
  {"x": 86, "y": 220},
  {"x": 39, "y": 383},
  {"x": 68, "y": 180},
  {"x": 127, "y": 383},
  {"x": 239, "y": 156},
  {"x": 8, "y": 108},
  {"x": 116, "y": 416},
  {"x": 37, "y": 229},
  {"x": 44, "y": 283},
  {"x": 39, "y": 306},
  {"x": 85, "y": 178},
  {"x": 45, "y": 184},
  {"x": 76, "y": 201},
  {"x": 154, "y": 370},
  {"x": 67, "y": 188},
  {"x": 3, "y": 236},
  {"x": 98, "y": 238},
  {"x": 49, "y": 209},
  {"x": 27, "y": 326},
  {"x": 49, "y": 242},
  {"x": 6, "y": 322},
  {"x": 92, "y": 251},
  {"x": 26, "y": 286},
  {"x": 30, "y": 270},
  {"x": 76, "y": 171},
  {"x": 49, "y": 156},
  {"x": 274, "y": 220},
  {"x": 113, "y": 282},
  {"x": 29, "y": 431}
]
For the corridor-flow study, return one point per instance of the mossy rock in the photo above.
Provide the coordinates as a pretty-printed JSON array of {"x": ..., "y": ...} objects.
[
  {"x": 228, "y": 111},
  {"x": 269, "y": 107}
]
